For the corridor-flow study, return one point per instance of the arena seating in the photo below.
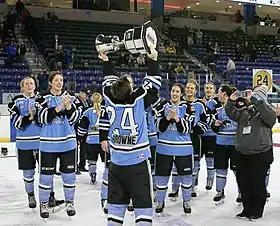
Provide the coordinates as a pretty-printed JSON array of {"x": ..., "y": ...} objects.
[{"x": 81, "y": 35}]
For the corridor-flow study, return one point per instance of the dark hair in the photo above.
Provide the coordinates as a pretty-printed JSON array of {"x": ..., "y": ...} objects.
[
  {"x": 193, "y": 81},
  {"x": 229, "y": 90},
  {"x": 121, "y": 89},
  {"x": 181, "y": 86},
  {"x": 53, "y": 74}
]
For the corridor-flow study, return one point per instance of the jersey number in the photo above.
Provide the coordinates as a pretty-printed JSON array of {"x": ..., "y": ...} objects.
[
  {"x": 127, "y": 120},
  {"x": 262, "y": 80}
]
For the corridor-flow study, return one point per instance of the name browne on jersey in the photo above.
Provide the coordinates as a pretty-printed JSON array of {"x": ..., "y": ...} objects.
[{"x": 124, "y": 139}]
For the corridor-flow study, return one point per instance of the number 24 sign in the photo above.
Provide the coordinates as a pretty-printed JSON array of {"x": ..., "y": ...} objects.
[{"x": 263, "y": 77}]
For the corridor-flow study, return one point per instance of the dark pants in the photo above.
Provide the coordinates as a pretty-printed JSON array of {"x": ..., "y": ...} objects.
[
  {"x": 82, "y": 158},
  {"x": 251, "y": 172}
]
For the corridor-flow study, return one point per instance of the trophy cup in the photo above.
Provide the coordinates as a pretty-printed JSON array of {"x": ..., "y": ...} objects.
[{"x": 136, "y": 40}]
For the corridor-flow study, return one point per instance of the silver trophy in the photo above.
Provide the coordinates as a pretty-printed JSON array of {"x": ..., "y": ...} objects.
[{"x": 136, "y": 40}]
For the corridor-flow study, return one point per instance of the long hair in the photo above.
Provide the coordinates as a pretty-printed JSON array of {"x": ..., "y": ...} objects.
[{"x": 96, "y": 100}]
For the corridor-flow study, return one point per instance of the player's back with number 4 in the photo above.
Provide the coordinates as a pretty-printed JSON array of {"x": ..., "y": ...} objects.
[{"x": 124, "y": 121}]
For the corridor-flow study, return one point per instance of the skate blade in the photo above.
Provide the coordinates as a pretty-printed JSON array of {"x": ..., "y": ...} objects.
[
  {"x": 45, "y": 220},
  {"x": 219, "y": 203},
  {"x": 54, "y": 210}
]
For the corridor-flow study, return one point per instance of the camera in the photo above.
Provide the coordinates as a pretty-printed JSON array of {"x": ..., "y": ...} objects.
[{"x": 241, "y": 94}]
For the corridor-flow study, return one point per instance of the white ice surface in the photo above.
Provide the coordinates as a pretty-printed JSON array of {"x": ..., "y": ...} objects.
[{"x": 14, "y": 211}]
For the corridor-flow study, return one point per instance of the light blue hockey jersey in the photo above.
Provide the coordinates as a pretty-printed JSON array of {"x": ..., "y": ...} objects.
[
  {"x": 57, "y": 133},
  {"x": 153, "y": 139},
  {"x": 201, "y": 117},
  {"x": 174, "y": 137},
  {"x": 226, "y": 132},
  {"x": 88, "y": 125},
  {"x": 126, "y": 128},
  {"x": 27, "y": 131}
]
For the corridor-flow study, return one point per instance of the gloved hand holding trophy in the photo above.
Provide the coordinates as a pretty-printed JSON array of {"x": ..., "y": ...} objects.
[{"x": 137, "y": 40}]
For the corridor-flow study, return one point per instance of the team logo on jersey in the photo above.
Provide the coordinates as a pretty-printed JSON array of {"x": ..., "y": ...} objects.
[{"x": 141, "y": 156}]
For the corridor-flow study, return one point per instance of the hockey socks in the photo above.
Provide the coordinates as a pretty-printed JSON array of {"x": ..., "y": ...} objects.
[
  {"x": 28, "y": 178},
  {"x": 162, "y": 186},
  {"x": 69, "y": 184},
  {"x": 221, "y": 179}
]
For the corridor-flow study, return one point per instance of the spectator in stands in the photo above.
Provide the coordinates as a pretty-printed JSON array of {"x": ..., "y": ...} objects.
[
  {"x": 199, "y": 37},
  {"x": 9, "y": 24},
  {"x": 171, "y": 49},
  {"x": 21, "y": 51},
  {"x": 239, "y": 17},
  {"x": 247, "y": 52},
  {"x": 190, "y": 41},
  {"x": 256, "y": 20},
  {"x": 141, "y": 60},
  {"x": 122, "y": 61},
  {"x": 59, "y": 58},
  {"x": 11, "y": 50},
  {"x": 254, "y": 53},
  {"x": 237, "y": 53},
  {"x": 179, "y": 68},
  {"x": 170, "y": 67},
  {"x": 216, "y": 49},
  {"x": 42, "y": 78},
  {"x": 54, "y": 17},
  {"x": 267, "y": 20},
  {"x": 209, "y": 48},
  {"x": 47, "y": 16},
  {"x": 230, "y": 73},
  {"x": 19, "y": 6},
  {"x": 131, "y": 60}
]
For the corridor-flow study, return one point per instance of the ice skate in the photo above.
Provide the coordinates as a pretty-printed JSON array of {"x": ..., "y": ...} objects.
[
  {"x": 104, "y": 206},
  {"x": 159, "y": 208},
  {"x": 130, "y": 207},
  {"x": 193, "y": 192},
  {"x": 173, "y": 195},
  {"x": 239, "y": 198},
  {"x": 187, "y": 207},
  {"x": 53, "y": 202},
  {"x": 32, "y": 200},
  {"x": 267, "y": 196},
  {"x": 93, "y": 178},
  {"x": 219, "y": 198},
  {"x": 70, "y": 209},
  {"x": 209, "y": 184},
  {"x": 241, "y": 215},
  {"x": 44, "y": 211}
]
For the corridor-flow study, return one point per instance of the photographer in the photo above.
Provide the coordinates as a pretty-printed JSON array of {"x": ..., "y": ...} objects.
[
  {"x": 225, "y": 151},
  {"x": 255, "y": 119}
]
